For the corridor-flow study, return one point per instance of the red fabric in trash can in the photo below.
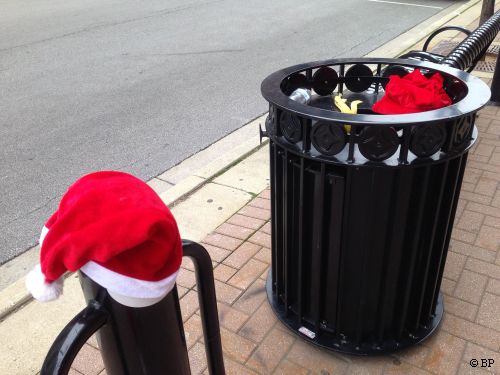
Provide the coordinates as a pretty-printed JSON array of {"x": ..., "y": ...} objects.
[{"x": 412, "y": 93}]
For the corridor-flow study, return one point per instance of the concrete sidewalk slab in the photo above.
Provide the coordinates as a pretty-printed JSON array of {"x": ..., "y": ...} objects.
[
  {"x": 208, "y": 208},
  {"x": 251, "y": 175},
  {"x": 27, "y": 335}
]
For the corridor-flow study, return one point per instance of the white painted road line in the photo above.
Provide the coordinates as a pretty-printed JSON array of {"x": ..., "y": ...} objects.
[{"x": 409, "y": 4}]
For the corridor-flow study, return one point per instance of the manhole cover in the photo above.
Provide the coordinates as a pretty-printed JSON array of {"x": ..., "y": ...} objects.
[{"x": 485, "y": 66}]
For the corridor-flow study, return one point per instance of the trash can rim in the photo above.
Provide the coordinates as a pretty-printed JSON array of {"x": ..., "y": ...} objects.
[{"x": 477, "y": 95}]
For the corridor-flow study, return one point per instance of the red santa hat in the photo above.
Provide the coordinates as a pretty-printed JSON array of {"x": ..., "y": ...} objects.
[{"x": 113, "y": 227}]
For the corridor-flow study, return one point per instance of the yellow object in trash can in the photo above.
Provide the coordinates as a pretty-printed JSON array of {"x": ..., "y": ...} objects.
[{"x": 341, "y": 104}]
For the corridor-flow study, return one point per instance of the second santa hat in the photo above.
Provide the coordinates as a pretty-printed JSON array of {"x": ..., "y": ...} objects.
[{"x": 114, "y": 228}]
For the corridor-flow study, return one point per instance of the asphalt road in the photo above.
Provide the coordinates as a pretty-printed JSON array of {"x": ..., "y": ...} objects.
[{"x": 139, "y": 86}]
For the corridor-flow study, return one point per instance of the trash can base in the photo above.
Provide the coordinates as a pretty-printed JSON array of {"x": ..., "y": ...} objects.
[{"x": 336, "y": 343}]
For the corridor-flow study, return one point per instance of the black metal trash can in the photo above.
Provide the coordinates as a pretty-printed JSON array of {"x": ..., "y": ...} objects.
[{"x": 362, "y": 216}]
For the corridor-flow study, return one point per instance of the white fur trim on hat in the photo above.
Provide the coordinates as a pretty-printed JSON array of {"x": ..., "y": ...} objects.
[
  {"x": 40, "y": 289},
  {"x": 133, "y": 301},
  {"x": 45, "y": 230},
  {"x": 128, "y": 286}
]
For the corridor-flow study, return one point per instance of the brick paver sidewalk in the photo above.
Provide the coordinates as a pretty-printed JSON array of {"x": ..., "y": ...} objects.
[{"x": 255, "y": 342}]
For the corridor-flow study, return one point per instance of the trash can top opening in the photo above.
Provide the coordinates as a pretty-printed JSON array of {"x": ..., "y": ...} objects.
[
  {"x": 306, "y": 104},
  {"x": 363, "y": 80}
]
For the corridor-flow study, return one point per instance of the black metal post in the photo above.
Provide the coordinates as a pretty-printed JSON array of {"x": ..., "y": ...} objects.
[
  {"x": 208, "y": 304},
  {"x": 495, "y": 85},
  {"x": 141, "y": 341},
  {"x": 73, "y": 337},
  {"x": 487, "y": 9}
]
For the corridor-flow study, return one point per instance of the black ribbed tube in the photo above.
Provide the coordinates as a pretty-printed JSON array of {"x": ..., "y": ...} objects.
[{"x": 474, "y": 46}]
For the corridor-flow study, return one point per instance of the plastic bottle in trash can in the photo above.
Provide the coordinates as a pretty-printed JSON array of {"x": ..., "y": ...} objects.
[{"x": 302, "y": 96}]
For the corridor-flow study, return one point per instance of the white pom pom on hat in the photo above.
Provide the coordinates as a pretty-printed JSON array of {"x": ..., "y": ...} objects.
[
  {"x": 40, "y": 289},
  {"x": 114, "y": 228}
]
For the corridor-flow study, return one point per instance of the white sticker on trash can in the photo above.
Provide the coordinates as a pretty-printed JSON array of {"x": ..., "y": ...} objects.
[{"x": 307, "y": 332}]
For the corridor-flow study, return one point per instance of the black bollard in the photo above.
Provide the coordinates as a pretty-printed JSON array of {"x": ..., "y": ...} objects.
[
  {"x": 495, "y": 85},
  {"x": 487, "y": 10},
  {"x": 141, "y": 341}
]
